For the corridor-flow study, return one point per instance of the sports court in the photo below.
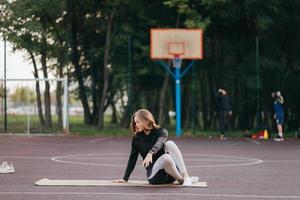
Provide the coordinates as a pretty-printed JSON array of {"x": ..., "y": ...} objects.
[
  {"x": 234, "y": 169},
  {"x": 75, "y": 75}
]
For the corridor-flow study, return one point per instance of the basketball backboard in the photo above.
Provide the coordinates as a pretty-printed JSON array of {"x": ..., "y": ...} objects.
[{"x": 180, "y": 43}]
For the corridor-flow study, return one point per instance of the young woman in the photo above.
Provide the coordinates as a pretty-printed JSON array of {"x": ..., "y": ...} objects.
[
  {"x": 161, "y": 158},
  {"x": 278, "y": 114}
]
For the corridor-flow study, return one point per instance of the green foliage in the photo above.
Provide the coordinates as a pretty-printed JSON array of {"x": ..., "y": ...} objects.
[
  {"x": 2, "y": 90},
  {"x": 187, "y": 9},
  {"x": 230, "y": 29},
  {"x": 23, "y": 94}
]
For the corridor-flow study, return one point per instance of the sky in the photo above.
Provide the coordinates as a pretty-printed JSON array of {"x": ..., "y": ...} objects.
[{"x": 16, "y": 64}]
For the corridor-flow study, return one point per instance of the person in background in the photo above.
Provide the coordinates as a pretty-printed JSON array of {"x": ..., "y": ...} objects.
[
  {"x": 223, "y": 111},
  {"x": 162, "y": 159},
  {"x": 278, "y": 114}
]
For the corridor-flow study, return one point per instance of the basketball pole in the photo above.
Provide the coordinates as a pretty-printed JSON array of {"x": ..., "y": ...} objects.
[
  {"x": 177, "y": 76},
  {"x": 258, "y": 108},
  {"x": 176, "y": 44},
  {"x": 178, "y": 97}
]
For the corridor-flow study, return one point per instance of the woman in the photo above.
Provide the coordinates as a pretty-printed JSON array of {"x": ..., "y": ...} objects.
[
  {"x": 161, "y": 158},
  {"x": 278, "y": 114}
]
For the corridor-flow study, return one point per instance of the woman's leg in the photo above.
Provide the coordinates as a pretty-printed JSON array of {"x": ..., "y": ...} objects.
[
  {"x": 172, "y": 149},
  {"x": 166, "y": 163},
  {"x": 222, "y": 122}
]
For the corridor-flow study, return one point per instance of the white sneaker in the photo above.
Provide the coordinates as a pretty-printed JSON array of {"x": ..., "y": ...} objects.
[
  {"x": 5, "y": 168},
  {"x": 4, "y": 164},
  {"x": 194, "y": 179},
  {"x": 190, "y": 181},
  {"x": 279, "y": 139},
  {"x": 187, "y": 182},
  {"x": 12, "y": 169}
]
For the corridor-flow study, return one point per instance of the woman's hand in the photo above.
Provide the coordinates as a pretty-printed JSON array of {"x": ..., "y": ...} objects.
[
  {"x": 148, "y": 160},
  {"x": 119, "y": 181}
]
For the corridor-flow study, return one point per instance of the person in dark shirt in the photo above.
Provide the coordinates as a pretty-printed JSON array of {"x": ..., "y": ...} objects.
[
  {"x": 278, "y": 114},
  {"x": 223, "y": 111},
  {"x": 162, "y": 159}
]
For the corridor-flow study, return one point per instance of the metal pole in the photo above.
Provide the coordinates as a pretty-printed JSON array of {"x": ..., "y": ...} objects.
[
  {"x": 177, "y": 76},
  {"x": 66, "y": 107},
  {"x": 257, "y": 84},
  {"x": 5, "y": 97},
  {"x": 193, "y": 99},
  {"x": 178, "y": 99},
  {"x": 129, "y": 75}
]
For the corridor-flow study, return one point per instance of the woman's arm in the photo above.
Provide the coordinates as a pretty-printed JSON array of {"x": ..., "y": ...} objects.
[
  {"x": 161, "y": 140},
  {"x": 280, "y": 99},
  {"x": 131, "y": 161}
]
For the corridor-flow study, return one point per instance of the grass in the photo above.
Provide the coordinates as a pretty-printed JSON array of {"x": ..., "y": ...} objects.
[
  {"x": 25, "y": 124},
  {"x": 31, "y": 124},
  {"x": 19, "y": 124}
]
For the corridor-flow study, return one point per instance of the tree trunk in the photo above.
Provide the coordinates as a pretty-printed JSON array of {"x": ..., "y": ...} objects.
[
  {"x": 71, "y": 6},
  {"x": 129, "y": 107},
  {"x": 114, "y": 117},
  {"x": 38, "y": 91},
  {"x": 59, "y": 90},
  {"x": 61, "y": 62},
  {"x": 105, "y": 68},
  {"x": 187, "y": 106},
  {"x": 47, "y": 85},
  {"x": 95, "y": 93},
  {"x": 207, "y": 95},
  {"x": 162, "y": 96},
  {"x": 204, "y": 100}
]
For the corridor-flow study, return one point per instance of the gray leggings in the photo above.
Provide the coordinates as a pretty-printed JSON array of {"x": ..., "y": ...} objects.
[{"x": 169, "y": 166}]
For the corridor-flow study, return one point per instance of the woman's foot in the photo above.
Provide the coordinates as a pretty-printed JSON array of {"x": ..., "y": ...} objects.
[
  {"x": 188, "y": 181},
  {"x": 194, "y": 179},
  {"x": 222, "y": 137}
]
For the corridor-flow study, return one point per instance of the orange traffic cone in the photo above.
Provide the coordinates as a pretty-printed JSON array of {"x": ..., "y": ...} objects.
[{"x": 266, "y": 134}]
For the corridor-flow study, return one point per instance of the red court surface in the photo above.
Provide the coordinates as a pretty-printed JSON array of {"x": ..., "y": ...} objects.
[{"x": 234, "y": 169}]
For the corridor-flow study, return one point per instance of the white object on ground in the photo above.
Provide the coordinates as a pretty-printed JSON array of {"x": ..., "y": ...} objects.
[{"x": 6, "y": 168}]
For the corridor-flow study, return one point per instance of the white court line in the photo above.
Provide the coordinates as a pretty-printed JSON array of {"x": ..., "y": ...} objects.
[
  {"x": 282, "y": 161},
  {"x": 25, "y": 157},
  {"x": 153, "y": 194},
  {"x": 248, "y": 161},
  {"x": 253, "y": 141},
  {"x": 122, "y": 158},
  {"x": 119, "y": 158},
  {"x": 98, "y": 140}
]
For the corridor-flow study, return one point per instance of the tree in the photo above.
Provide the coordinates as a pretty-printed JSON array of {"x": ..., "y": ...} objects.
[{"x": 22, "y": 95}]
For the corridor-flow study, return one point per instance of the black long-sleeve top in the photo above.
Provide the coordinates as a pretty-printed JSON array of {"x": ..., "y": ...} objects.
[
  {"x": 222, "y": 102},
  {"x": 143, "y": 144}
]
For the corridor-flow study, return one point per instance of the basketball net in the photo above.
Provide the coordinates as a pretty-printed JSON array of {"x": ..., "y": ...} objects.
[{"x": 176, "y": 61}]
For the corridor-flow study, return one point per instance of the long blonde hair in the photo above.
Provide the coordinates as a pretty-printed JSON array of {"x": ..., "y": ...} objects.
[{"x": 146, "y": 118}]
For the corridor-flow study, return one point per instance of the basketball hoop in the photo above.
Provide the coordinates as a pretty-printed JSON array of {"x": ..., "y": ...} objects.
[
  {"x": 176, "y": 45},
  {"x": 176, "y": 48},
  {"x": 176, "y": 61}
]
